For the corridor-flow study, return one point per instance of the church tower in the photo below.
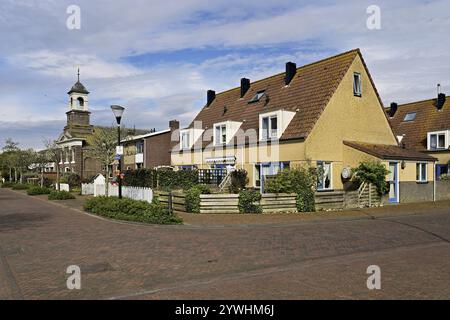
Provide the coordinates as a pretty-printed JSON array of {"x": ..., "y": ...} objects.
[{"x": 78, "y": 116}]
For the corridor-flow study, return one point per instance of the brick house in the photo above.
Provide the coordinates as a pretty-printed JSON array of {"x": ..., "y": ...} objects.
[{"x": 327, "y": 114}]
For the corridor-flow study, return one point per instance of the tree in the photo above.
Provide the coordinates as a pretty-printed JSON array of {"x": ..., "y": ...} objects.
[
  {"x": 53, "y": 152},
  {"x": 10, "y": 157},
  {"x": 24, "y": 159},
  {"x": 372, "y": 172},
  {"x": 103, "y": 148}
]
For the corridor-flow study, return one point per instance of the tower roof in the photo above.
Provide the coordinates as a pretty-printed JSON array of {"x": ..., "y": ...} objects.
[{"x": 78, "y": 87}]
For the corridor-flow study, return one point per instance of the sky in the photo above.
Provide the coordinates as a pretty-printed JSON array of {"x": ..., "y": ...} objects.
[{"x": 158, "y": 58}]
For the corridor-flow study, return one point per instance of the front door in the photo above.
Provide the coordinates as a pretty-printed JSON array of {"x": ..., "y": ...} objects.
[{"x": 393, "y": 182}]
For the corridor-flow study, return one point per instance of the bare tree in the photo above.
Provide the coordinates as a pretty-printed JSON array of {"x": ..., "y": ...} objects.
[
  {"x": 53, "y": 152},
  {"x": 103, "y": 148}
]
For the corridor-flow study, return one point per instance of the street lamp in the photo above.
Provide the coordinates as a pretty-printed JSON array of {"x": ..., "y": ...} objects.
[{"x": 118, "y": 112}]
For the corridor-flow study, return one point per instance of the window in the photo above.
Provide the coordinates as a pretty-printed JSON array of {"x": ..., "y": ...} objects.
[
  {"x": 437, "y": 141},
  {"x": 221, "y": 134},
  {"x": 269, "y": 127},
  {"x": 80, "y": 102},
  {"x": 268, "y": 169},
  {"x": 257, "y": 96},
  {"x": 325, "y": 175},
  {"x": 185, "y": 137},
  {"x": 66, "y": 169},
  {"x": 140, "y": 147},
  {"x": 357, "y": 89},
  {"x": 421, "y": 172},
  {"x": 411, "y": 116}
]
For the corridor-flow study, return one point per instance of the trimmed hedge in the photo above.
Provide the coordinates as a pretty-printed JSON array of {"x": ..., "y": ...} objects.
[
  {"x": 8, "y": 184},
  {"x": 164, "y": 179},
  {"x": 192, "y": 199},
  {"x": 36, "y": 190},
  {"x": 21, "y": 186},
  {"x": 60, "y": 195},
  {"x": 130, "y": 210},
  {"x": 249, "y": 201}
]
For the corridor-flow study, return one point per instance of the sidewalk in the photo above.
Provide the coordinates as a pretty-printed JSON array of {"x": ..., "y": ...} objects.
[{"x": 287, "y": 218}]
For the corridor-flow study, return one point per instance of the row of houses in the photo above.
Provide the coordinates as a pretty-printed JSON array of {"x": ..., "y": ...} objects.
[{"x": 328, "y": 114}]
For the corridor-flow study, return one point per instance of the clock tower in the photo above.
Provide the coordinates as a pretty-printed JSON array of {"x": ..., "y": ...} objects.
[{"x": 78, "y": 116}]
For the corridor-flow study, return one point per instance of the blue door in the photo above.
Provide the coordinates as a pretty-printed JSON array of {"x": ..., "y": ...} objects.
[{"x": 393, "y": 182}]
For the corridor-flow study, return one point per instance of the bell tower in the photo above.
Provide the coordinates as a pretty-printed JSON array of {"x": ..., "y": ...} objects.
[{"x": 78, "y": 116}]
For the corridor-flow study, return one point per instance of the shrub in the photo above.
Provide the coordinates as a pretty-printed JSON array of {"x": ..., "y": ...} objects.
[
  {"x": 72, "y": 179},
  {"x": 20, "y": 186},
  {"x": 249, "y": 201},
  {"x": 130, "y": 210},
  {"x": 372, "y": 172},
  {"x": 192, "y": 199},
  {"x": 239, "y": 179},
  {"x": 301, "y": 181},
  {"x": 60, "y": 195},
  {"x": 36, "y": 190},
  {"x": 144, "y": 178},
  {"x": 180, "y": 179},
  {"x": 444, "y": 177},
  {"x": 8, "y": 184}
]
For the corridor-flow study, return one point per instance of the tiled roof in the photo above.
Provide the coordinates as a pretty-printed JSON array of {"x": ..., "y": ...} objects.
[
  {"x": 389, "y": 152},
  {"x": 307, "y": 94},
  {"x": 428, "y": 118}
]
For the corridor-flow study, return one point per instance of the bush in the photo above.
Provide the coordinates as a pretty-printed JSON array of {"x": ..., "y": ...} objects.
[
  {"x": 192, "y": 199},
  {"x": 372, "y": 172},
  {"x": 249, "y": 201},
  {"x": 8, "y": 184},
  {"x": 60, "y": 195},
  {"x": 36, "y": 190},
  {"x": 20, "y": 186},
  {"x": 444, "y": 177},
  {"x": 180, "y": 179},
  {"x": 143, "y": 178},
  {"x": 301, "y": 181},
  {"x": 72, "y": 179},
  {"x": 239, "y": 180},
  {"x": 130, "y": 210}
]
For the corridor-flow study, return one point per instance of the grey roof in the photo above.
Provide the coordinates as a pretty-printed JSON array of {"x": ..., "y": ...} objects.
[{"x": 78, "y": 88}]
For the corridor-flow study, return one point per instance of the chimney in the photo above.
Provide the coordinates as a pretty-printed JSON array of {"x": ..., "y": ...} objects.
[
  {"x": 440, "y": 98},
  {"x": 210, "y": 96},
  {"x": 245, "y": 85},
  {"x": 174, "y": 125},
  {"x": 291, "y": 70},
  {"x": 393, "y": 109}
]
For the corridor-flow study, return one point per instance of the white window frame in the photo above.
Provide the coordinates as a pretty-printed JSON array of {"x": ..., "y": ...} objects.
[
  {"x": 269, "y": 116},
  {"x": 331, "y": 177},
  {"x": 218, "y": 139},
  {"x": 357, "y": 84},
  {"x": 421, "y": 178},
  {"x": 183, "y": 145},
  {"x": 437, "y": 134}
]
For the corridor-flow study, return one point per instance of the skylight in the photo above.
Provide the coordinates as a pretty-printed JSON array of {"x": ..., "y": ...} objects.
[
  {"x": 257, "y": 96},
  {"x": 410, "y": 116}
]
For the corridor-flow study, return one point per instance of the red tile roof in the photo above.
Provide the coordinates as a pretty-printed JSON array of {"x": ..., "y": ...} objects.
[
  {"x": 428, "y": 119},
  {"x": 307, "y": 94},
  {"x": 389, "y": 152}
]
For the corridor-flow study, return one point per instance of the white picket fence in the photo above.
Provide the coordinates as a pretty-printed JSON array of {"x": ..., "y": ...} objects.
[{"x": 135, "y": 193}]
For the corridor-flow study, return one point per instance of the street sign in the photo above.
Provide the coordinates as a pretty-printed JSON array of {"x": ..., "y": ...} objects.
[
  {"x": 117, "y": 157},
  {"x": 119, "y": 150}
]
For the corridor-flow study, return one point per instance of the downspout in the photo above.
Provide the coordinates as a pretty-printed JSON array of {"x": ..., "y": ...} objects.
[{"x": 434, "y": 181}]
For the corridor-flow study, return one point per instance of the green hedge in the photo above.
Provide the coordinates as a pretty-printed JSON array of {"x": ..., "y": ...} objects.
[
  {"x": 164, "y": 179},
  {"x": 8, "y": 184},
  {"x": 193, "y": 197},
  {"x": 130, "y": 210},
  {"x": 249, "y": 201},
  {"x": 21, "y": 186},
  {"x": 60, "y": 195},
  {"x": 36, "y": 190}
]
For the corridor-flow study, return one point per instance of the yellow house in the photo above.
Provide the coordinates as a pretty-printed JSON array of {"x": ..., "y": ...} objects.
[{"x": 326, "y": 113}]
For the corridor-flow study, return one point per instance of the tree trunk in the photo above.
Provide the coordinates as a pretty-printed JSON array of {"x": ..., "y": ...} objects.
[
  {"x": 10, "y": 174},
  {"x": 58, "y": 187},
  {"x": 15, "y": 174},
  {"x": 42, "y": 177}
]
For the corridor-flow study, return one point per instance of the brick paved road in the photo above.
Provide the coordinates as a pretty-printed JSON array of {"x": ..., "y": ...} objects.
[{"x": 323, "y": 259}]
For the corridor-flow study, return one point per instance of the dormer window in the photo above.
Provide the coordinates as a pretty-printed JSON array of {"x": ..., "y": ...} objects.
[
  {"x": 411, "y": 116},
  {"x": 357, "y": 88},
  {"x": 437, "y": 140},
  {"x": 220, "y": 137},
  {"x": 257, "y": 96}
]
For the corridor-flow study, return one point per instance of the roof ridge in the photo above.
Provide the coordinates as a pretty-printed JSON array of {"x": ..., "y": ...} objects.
[
  {"x": 357, "y": 50},
  {"x": 419, "y": 101}
]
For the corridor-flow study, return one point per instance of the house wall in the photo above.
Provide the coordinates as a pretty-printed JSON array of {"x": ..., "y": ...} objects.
[
  {"x": 157, "y": 150},
  {"x": 348, "y": 118},
  {"x": 129, "y": 156}
]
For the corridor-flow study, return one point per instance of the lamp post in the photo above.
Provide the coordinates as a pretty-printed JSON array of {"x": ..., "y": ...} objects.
[{"x": 118, "y": 112}]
